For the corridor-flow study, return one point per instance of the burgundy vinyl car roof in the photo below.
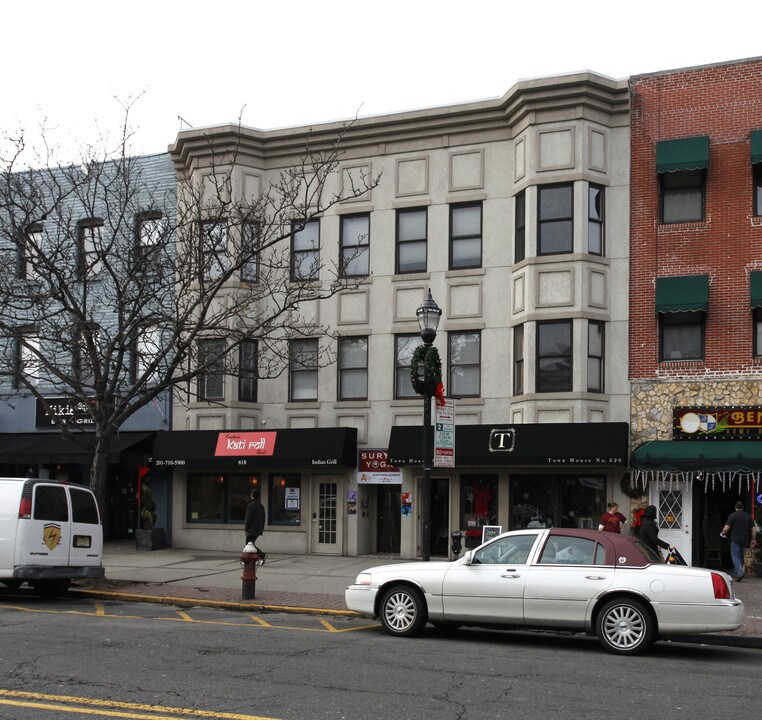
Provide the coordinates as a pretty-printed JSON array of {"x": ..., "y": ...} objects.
[{"x": 621, "y": 550}]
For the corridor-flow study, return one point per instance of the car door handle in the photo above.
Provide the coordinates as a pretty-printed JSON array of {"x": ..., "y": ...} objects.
[
  {"x": 511, "y": 574},
  {"x": 595, "y": 577}
]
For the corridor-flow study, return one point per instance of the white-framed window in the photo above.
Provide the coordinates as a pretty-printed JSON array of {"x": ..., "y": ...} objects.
[
  {"x": 28, "y": 363},
  {"x": 147, "y": 350},
  {"x": 211, "y": 376},
  {"x": 303, "y": 370},
  {"x": 90, "y": 247},
  {"x": 305, "y": 251},
  {"x": 247, "y": 371},
  {"x": 464, "y": 361},
  {"x": 404, "y": 347},
  {"x": 29, "y": 252},
  {"x": 149, "y": 235},
  {"x": 355, "y": 245},
  {"x": 249, "y": 249},
  {"x": 214, "y": 248},
  {"x": 465, "y": 235},
  {"x": 353, "y": 368},
  {"x": 411, "y": 240}
]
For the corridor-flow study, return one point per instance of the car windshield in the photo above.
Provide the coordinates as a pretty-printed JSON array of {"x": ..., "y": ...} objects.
[{"x": 510, "y": 549}]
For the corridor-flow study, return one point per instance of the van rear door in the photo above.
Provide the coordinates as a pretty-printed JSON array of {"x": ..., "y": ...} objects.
[
  {"x": 45, "y": 538},
  {"x": 86, "y": 530}
]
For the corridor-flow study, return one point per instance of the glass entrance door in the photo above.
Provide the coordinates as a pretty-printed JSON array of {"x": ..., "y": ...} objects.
[
  {"x": 326, "y": 518},
  {"x": 674, "y": 505}
]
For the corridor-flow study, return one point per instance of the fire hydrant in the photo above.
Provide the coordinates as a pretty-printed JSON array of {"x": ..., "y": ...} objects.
[{"x": 249, "y": 577}]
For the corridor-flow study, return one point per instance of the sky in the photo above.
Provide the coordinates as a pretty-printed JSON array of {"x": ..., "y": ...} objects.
[{"x": 182, "y": 63}]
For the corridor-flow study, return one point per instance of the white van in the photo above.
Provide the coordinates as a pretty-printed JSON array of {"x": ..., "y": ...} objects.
[{"x": 50, "y": 533}]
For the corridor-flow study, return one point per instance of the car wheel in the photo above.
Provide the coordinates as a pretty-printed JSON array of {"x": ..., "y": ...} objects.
[
  {"x": 625, "y": 627},
  {"x": 13, "y": 584},
  {"x": 403, "y": 611}
]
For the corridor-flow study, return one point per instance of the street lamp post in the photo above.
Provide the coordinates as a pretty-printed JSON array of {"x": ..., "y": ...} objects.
[{"x": 428, "y": 320}]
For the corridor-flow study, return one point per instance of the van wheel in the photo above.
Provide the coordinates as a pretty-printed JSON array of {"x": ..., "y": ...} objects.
[{"x": 50, "y": 589}]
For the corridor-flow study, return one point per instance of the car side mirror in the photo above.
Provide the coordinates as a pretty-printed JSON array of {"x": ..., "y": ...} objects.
[{"x": 468, "y": 557}]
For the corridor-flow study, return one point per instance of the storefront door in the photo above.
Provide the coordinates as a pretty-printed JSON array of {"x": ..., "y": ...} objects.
[
  {"x": 389, "y": 526},
  {"x": 674, "y": 504},
  {"x": 327, "y": 525}
]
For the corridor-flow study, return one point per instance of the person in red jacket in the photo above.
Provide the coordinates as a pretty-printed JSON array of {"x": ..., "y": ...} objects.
[{"x": 613, "y": 520}]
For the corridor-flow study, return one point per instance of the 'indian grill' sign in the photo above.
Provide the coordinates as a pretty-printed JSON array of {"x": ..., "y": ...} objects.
[
  {"x": 245, "y": 444},
  {"x": 717, "y": 423}
]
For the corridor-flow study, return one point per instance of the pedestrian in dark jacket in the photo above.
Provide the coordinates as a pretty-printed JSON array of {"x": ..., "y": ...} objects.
[
  {"x": 743, "y": 532},
  {"x": 254, "y": 523},
  {"x": 649, "y": 531}
]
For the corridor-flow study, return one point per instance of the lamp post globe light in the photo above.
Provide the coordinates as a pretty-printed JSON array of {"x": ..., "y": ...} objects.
[{"x": 428, "y": 320}]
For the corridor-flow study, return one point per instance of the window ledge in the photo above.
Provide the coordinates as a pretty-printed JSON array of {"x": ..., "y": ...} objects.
[
  {"x": 343, "y": 404},
  {"x": 303, "y": 405},
  {"x": 465, "y": 272}
]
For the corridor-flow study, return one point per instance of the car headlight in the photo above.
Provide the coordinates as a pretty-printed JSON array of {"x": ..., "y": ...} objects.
[{"x": 363, "y": 578}]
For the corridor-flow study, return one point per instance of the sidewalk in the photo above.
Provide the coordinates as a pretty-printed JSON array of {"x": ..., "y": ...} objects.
[{"x": 199, "y": 577}]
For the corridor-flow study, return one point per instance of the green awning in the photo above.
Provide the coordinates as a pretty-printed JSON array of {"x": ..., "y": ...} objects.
[
  {"x": 684, "y": 293},
  {"x": 756, "y": 147},
  {"x": 755, "y": 287},
  {"x": 743, "y": 456},
  {"x": 681, "y": 155}
]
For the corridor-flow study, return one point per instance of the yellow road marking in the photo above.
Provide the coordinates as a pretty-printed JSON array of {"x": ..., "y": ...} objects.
[
  {"x": 100, "y": 612},
  {"x": 333, "y": 629},
  {"x": 260, "y": 621},
  {"x": 105, "y": 707}
]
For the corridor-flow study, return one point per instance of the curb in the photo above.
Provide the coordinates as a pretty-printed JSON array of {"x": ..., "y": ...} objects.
[{"x": 225, "y": 604}]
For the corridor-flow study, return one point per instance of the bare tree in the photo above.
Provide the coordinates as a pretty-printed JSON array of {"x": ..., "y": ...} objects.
[{"x": 117, "y": 288}]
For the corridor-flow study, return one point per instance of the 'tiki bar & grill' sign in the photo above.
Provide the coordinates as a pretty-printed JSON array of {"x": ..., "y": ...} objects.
[{"x": 717, "y": 423}]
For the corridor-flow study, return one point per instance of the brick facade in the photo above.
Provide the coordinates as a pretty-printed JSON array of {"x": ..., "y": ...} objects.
[{"x": 724, "y": 102}]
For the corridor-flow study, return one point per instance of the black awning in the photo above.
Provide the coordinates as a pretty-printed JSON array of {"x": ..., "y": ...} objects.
[
  {"x": 40, "y": 447},
  {"x": 319, "y": 448},
  {"x": 558, "y": 444}
]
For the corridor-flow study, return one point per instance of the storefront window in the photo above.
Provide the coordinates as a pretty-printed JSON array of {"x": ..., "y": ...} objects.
[
  {"x": 539, "y": 501},
  {"x": 478, "y": 502},
  {"x": 219, "y": 498},
  {"x": 285, "y": 499}
]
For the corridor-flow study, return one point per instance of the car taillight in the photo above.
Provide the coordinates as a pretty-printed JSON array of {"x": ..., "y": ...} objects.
[
  {"x": 25, "y": 508},
  {"x": 721, "y": 589}
]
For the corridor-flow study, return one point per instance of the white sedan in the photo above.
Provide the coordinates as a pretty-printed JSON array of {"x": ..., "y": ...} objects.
[{"x": 553, "y": 579}]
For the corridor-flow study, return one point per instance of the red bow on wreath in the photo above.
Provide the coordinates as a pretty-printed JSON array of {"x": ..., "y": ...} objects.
[{"x": 439, "y": 394}]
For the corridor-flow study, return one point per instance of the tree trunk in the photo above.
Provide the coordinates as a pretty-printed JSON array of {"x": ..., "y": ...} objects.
[{"x": 99, "y": 468}]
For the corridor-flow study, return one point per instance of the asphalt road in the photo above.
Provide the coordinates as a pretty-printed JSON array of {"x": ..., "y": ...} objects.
[{"x": 80, "y": 659}]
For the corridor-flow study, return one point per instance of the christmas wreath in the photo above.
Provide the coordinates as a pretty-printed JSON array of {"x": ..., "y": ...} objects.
[{"x": 426, "y": 382}]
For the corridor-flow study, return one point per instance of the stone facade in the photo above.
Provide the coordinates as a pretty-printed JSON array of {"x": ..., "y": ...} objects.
[{"x": 654, "y": 400}]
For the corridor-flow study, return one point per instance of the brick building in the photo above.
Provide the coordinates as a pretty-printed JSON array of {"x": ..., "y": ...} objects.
[{"x": 695, "y": 271}]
